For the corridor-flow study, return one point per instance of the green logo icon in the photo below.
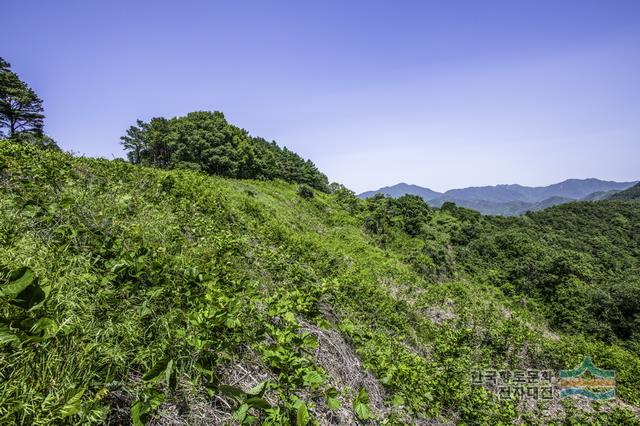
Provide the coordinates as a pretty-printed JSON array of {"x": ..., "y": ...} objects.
[{"x": 589, "y": 381}]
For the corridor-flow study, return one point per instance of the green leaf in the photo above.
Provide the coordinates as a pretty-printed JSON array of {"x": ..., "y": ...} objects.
[
  {"x": 249, "y": 420},
  {"x": 324, "y": 324},
  {"x": 29, "y": 297},
  {"x": 205, "y": 371},
  {"x": 361, "y": 405},
  {"x": 333, "y": 403},
  {"x": 170, "y": 375},
  {"x": 141, "y": 408},
  {"x": 232, "y": 392},
  {"x": 156, "y": 370},
  {"x": 289, "y": 317},
  {"x": 241, "y": 413},
  {"x": 101, "y": 394},
  {"x": 331, "y": 396},
  {"x": 257, "y": 402},
  {"x": 397, "y": 400},
  {"x": 258, "y": 390},
  {"x": 73, "y": 404},
  {"x": 302, "y": 414},
  {"x": 313, "y": 378},
  {"x": 23, "y": 289},
  {"x": 136, "y": 413},
  {"x": 8, "y": 336},
  {"x": 309, "y": 342},
  {"x": 46, "y": 327},
  {"x": 155, "y": 400},
  {"x": 18, "y": 281}
]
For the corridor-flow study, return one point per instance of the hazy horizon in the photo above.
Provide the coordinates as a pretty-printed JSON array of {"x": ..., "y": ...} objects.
[
  {"x": 434, "y": 94},
  {"x": 495, "y": 184}
]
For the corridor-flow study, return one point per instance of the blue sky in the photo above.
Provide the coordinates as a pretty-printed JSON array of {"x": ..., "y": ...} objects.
[{"x": 441, "y": 94}]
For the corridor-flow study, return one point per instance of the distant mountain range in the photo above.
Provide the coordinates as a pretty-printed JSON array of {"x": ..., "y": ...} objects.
[
  {"x": 401, "y": 189},
  {"x": 511, "y": 200}
]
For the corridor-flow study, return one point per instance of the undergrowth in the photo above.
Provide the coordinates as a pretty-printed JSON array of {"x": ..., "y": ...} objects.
[{"x": 128, "y": 292}]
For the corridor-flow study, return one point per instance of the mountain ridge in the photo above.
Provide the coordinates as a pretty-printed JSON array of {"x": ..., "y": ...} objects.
[
  {"x": 403, "y": 188},
  {"x": 510, "y": 199}
]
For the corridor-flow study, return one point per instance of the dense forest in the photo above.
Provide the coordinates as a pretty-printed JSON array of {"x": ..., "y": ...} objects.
[{"x": 217, "y": 278}]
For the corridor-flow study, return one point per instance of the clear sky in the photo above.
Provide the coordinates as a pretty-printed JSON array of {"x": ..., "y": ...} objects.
[{"x": 442, "y": 94}]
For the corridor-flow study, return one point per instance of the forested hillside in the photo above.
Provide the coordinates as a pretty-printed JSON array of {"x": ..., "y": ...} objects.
[
  {"x": 132, "y": 294},
  {"x": 632, "y": 193},
  {"x": 205, "y": 141}
]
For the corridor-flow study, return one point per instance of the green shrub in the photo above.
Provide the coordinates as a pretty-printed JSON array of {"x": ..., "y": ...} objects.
[{"x": 305, "y": 192}]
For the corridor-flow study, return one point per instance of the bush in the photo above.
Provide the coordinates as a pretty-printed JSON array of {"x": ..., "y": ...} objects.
[{"x": 305, "y": 192}]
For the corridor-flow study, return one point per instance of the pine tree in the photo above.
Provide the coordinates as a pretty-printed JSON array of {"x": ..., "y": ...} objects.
[{"x": 20, "y": 108}]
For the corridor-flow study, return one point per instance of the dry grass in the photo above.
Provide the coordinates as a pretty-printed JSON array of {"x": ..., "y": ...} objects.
[{"x": 338, "y": 358}]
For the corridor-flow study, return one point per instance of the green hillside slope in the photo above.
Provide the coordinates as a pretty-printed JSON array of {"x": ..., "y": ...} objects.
[
  {"x": 132, "y": 294},
  {"x": 632, "y": 193}
]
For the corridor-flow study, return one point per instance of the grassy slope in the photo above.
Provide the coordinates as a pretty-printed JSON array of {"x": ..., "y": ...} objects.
[{"x": 164, "y": 285}]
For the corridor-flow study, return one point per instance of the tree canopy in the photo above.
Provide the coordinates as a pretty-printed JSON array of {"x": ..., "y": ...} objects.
[
  {"x": 205, "y": 141},
  {"x": 20, "y": 108}
]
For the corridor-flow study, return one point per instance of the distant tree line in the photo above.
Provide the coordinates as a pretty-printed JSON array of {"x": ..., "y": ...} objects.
[{"x": 205, "y": 141}]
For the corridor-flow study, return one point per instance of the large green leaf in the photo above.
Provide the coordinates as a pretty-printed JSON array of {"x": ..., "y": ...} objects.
[
  {"x": 45, "y": 327},
  {"x": 23, "y": 289},
  {"x": 9, "y": 336},
  {"x": 313, "y": 378},
  {"x": 156, "y": 370},
  {"x": 257, "y": 402},
  {"x": 73, "y": 404},
  {"x": 232, "y": 392},
  {"x": 241, "y": 413},
  {"x": 302, "y": 414},
  {"x": 19, "y": 280},
  {"x": 333, "y": 404},
  {"x": 331, "y": 396},
  {"x": 361, "y": 405},
  {"x": 141, "y": 408},
  {"x": 170, "y": 375},
  {"x": 136, "y": 413},
  {"x": 258, "y": 390},
  {"x": 29, "y": 297}
]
